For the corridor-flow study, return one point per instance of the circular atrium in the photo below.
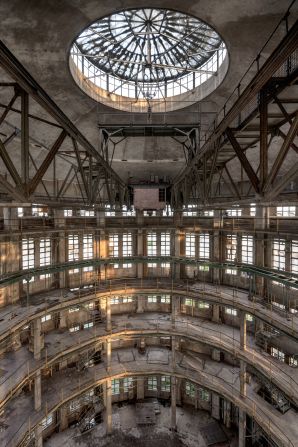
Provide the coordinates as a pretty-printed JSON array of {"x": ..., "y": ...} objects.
[
  {"x": 148, "y": 223},
  {"x": 143, "y": 57}
]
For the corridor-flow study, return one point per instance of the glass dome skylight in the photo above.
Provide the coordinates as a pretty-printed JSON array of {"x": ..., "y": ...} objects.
[{"x": 145, "y": 55}]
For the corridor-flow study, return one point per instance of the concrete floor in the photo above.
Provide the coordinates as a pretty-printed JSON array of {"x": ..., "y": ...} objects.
[{"x": 127, "y": 433}]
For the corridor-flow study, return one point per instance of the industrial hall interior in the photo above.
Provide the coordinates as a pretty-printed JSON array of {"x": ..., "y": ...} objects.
[{"x": 149, "y": 223}]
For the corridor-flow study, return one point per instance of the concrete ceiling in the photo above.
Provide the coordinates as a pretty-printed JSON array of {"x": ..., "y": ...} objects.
[{"x": 39, "y": 33}]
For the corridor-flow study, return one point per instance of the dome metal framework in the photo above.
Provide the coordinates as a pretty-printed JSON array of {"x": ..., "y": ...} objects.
[{"x": 148, "y": 53}]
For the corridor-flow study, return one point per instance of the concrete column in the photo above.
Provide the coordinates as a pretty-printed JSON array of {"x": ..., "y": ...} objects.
[
  {"x": 216, "y": 246},
  {"x": 173, "y": 387},
  {"x": 140, "y": 252},
  {"x": 108, "y": 353},
  {"x": 140, "y": 388},
  {"x": 37, "y": 342},
  {"x": 242, "y": 316},
  {"x": 173, "y": 309},
  {"x": 37, "y": 391},
  {"x": 63, "y": 319},
  {"x": 108, "y": 314},
  {"x": 242, "y": 378},
  {"x": 216, "y": 313},
  {"x": 177, "y": 242},
  {"x": 261, "y": 223},
  {"x": 100, "y": 218},
  {"x": 63, "y": 418},
  {"x": 227, "y": 413},
  {"x": 108, "y": 415},
  {"x": 215, "y": 355},
  {"x": 215, "y": 406},
  {"x": 242, "y": 428},
  {"x": 140, "y": 303},
  {"x": 38, "y": 442}
]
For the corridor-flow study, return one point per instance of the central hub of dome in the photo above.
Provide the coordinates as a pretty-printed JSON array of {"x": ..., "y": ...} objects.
[{"x": 140, "y": 55}]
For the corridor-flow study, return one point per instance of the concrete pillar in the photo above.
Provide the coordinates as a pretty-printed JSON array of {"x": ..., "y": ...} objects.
[
  {"x": 216, "y": 246},
  {"x": 216, "y": 313},
  {"x": 242, "y": 316},
  {"x": 108, "y": 314},
  {"x": 140, "y": 252},
  {"x": 140, "y": 303},
  {"x": 242, "y": 428},
  {"x": 37, "y": 391},
  {"x": 37, "y": 339},
  {"x": 100, "y": 218},
  {"x": 108, "y": 353},
  {"x": 261, "y": 223},
  {"x": 173, "y": 386},
  {"x": 227, "y": 413},
  {"x": 215, "y": 406},
  {"x": 38, "y": 442},
  {"x": 108, "y": 415},
  {"x": 63, "y": 319},
  {"x": 140, "y": 388},
  {"x": 173, "y": 309},
  {"x": 177, "y": 241},
  {"x": 215, "y": 355},
  {"x": 242, "y": 378},
  {"x": 63, "y": 425}
]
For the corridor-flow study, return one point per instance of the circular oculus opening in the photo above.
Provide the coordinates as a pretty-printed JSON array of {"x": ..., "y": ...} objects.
[{"x": 147, "y": 58}]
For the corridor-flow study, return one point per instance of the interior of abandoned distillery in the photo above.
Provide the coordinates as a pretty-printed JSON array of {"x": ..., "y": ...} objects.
[{"x": 148, "y": 223}]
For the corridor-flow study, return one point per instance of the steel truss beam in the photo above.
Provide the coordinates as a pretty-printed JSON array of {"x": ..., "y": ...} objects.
[
  {"x": 262, "y": 90},
  {"x": 26, "y": 184}
]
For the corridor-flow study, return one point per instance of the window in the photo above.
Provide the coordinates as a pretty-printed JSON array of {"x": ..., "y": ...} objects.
[
  {"x": 109, "y": 212},
  {"x": 286, "y": 211},
  {"x": 151, "y": 247},
  {"x": 127, "y": 299},
  {"x": 115, "y": 386},
  {"x": 74, "y": 328},
  {"x": 278, "y": 354},
  {"x": 165, "y": 247},
  {"x": 88, "y": 325},
  {"x": 46, "y": 422},
  {"x": 45, "y": 255},
  {"x": 231, "y": 252},
  {"x": 74, "y": 405},
  {"x": 165, "y": 383},
  {"x": 234, "y": 212},
  {"x": 247, "y": 249},
  {"x": 39, "y": 211},
  {"x": 88, "y": 250},
  {"x": 293, "y": 361},
  {"x": 249, "y": 317},
  {"x": 253, "y": 209},
  {"x": 67, "y": 213},
  {"x": 148, "y": 213},
  {"x": 126, "y": 212},
  {"x": 167, "y": 211},
  {"x": 188, "y": 302},
  {"x": 203, "y": 305},
  {"x": 27, "y": 253},
  {"x": 73, "y": 309},
  {"x": 279, "y": 254},
  {"x": 114, "y": 247},
  {"x": 45, "y": 318},
  {"x": 190, "y": 389},
  {"x": 190, "y": 211},
  {"x": 73, "y": 250},
  {"x": 152, "y": 299},
  {"x": 152, "y": 383},
  {"x": 114, "y": 300},
  {"x": 20, "y": 212},
  {"x": 127, "y": 384},
  {"x": 204, "y": 245},
  {"x": 204, "y": 394},
  {"x": 209, "y": 213},
  {"x": 87, "y": 213},
  {"x": 231, "y": 311},
  {"x": 190, "y": 245},
  {"x": 127, "y": 247},
  {"x": 165, "y": 299},
  {"x": 294, "y": 257}
]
